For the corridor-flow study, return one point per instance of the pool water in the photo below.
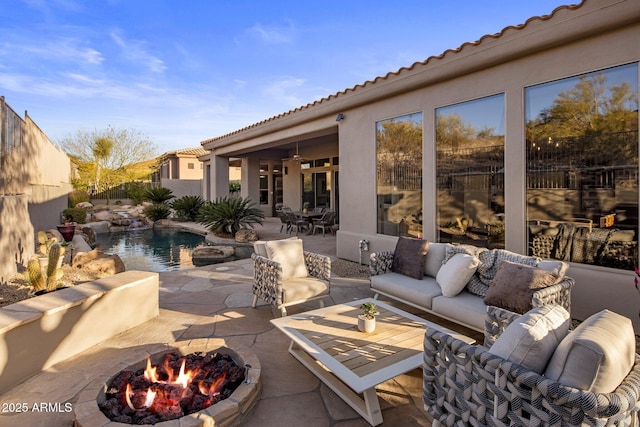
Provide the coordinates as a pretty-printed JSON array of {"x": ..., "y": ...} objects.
[{"x": 151, "y": 250}]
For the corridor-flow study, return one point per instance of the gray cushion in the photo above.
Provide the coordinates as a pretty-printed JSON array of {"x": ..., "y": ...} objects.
[
  {"x": 408, "y": 257},
  {"x": 597, "y": 355},
  {"x": 531, "y": 339},
  {"x": 435, "y": 258},
  {"x": 465, "y": 308},
  {"x": 420, "y": 292}
]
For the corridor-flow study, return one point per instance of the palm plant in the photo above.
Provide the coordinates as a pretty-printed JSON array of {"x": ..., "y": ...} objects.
[
  {"x": 157, "y": 211},
  {"x": 187, "y": 207},
  {"x": 159, "y": 194},
  {"x": 227, "y": 215}
]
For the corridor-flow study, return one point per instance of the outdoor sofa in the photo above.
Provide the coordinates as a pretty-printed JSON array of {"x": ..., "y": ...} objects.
[{"x": 454, "y": 280}]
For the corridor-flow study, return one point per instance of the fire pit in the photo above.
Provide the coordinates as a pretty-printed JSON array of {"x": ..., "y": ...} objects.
[{"x": 208, "y": 383}]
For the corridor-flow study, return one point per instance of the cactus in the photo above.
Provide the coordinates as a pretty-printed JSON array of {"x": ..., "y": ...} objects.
[
  {"x": 54, "y": 274},
  {"x": 45, "y": 243},
  {"x": 34, "y": 275}
]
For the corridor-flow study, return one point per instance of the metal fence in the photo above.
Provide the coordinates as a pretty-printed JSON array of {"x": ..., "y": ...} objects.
[{"x": 11, "y": 131}]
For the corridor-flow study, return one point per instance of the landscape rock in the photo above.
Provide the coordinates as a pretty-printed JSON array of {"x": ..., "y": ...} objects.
[
  {"x": 246, "y": 235},
  {"x": 85, "y": 205},
  {"x": 102, "y": 215},
  {"x": 98, "y": 262},
  {"x": 89, "y": 234},
  {"x": 204, "y": 254},
  {"x": 99, "y": 226}
]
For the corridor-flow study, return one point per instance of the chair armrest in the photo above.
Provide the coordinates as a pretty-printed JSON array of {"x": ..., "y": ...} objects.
[
  {"x": 559, "y": 294},
  {"x": 267, "y": 279},
  {"x": 496, "y": 321},
  {"x": 318, "y": 265},
  {"x": 380, "y": 262}
]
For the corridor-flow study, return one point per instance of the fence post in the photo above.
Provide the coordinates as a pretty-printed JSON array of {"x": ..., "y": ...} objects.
[{"x": 3, "y": 132}]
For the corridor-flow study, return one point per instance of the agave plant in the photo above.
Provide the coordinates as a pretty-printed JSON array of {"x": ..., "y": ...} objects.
[
  {"x": 159, "y": 194},
  {"x": 229, "y": 214},
  {"x": 187, "y": 207}
]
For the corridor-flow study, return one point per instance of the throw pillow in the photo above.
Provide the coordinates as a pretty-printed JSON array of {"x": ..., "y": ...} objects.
[
  {"x": 408, "y": 257},
  {"x": 514, "y": 285},
  {"x": 260, "y": 248},
  {"x": 559, "y": 268},
  {"x": 290, "y": 255},
  {"x": 531, "y": 339},
  {"x": 597, "y": 355},
  {"x": 489, "y": 270},
  {"x": 455, "y": 273}
]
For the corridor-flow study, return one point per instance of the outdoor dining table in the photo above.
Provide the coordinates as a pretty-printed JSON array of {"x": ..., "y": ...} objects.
[{"x": 309, "y": 217}]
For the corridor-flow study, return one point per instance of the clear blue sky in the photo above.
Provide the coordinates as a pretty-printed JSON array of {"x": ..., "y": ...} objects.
[{"x": 184, "y": 71}]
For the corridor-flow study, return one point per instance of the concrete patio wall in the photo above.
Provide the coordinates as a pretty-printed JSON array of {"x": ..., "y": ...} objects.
[
  {"x": 39, "y": 332},
  {"x": 34, "y": 188}
]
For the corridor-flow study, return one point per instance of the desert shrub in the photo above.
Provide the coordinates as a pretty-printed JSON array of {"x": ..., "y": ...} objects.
[
  {"x": 78, "y": 196},
  {"x": 158, "y": 194},
  {"x": 78, "y": 215},
  {"x": 136, "y": 191},
  {"x": 234, "y": 186},
  {"x": 227, "y": 215},
  {"x": 157, "y": 211},
  {"x": 187, "y": 207}
]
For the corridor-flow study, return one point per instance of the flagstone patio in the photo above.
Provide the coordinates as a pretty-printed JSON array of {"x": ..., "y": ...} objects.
[{"x": 215, "y": 301}]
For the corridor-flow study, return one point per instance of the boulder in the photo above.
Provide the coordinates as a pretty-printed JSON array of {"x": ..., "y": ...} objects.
[
  {"x": 89, "y": 234},
  {"x": 99, "y": 226},
  {"x": 102, "y": 215},
  {"x": 80, "y": 244},
  {"x": 246, "y": 235},
  {"x": 84, "y": 205},
  {"x": 210, "y": 254},
  {"x": 98, "y": 262}
]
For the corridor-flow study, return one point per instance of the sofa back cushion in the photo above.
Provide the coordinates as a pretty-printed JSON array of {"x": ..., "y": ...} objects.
[
  {"x": 514, "y": 285},
  {"x": 435, "y": 258},
  {"x": 531, "y": 339},
  {"x": 597, "y": 355},
  {"x": 408, "y": 257}
]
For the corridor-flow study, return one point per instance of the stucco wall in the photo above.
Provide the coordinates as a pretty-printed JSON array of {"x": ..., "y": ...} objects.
[
  {"x": 594, "y": 285},
  {"x": 33, "y": 192},
  {"x": 183, "y": 187}
]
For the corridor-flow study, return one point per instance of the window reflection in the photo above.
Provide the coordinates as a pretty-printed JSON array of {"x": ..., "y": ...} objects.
[
  {"x": 399, "y": 175},
  {"x": 470, "y": 172},
  {"x": 582, "y": 168}
]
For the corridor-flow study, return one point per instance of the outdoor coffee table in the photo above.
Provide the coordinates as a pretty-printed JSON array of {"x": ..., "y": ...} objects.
[{"x": 327, "y": 341}]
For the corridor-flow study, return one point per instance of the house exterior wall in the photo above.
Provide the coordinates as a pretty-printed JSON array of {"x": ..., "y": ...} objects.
[
  {"x": 596, "y": 287},
  {"x": 183, "y": 171}
]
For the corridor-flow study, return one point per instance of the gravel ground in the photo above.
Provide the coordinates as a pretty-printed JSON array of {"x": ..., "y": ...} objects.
[{"x": 343, "y": 268}]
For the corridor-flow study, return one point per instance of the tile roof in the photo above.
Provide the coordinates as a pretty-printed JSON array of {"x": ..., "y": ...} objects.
[
  {"x": 198, "y": 151},
  {"x": 401, "y": 70}
]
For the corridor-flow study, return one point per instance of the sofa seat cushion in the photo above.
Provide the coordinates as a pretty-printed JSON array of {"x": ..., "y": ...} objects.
[
  {"x": 302, "y": 289},
  {"x": 419, "y": 292},
  {"x": 531, "y": 339},
  {"x": 465, "y": 308},
  {"x": 597, "y": 355}
]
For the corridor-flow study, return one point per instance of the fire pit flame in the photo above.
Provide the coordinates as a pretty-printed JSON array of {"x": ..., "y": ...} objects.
[{"x": 163, "y": 391}]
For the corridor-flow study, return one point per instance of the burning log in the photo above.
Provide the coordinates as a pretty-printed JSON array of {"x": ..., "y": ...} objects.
[{"x": 177, "y": 386}]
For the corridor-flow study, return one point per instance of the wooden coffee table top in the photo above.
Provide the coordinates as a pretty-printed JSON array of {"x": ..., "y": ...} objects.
[{"x": 362, "y": 360}]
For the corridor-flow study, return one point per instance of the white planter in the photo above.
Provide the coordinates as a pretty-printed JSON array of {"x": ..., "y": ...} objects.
[{"x": 365, "y": 324}]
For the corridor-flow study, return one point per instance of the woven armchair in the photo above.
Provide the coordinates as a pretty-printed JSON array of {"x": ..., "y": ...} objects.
[
  {"x": 467, "y": 385},
  {"x": 269, "y": 286}
]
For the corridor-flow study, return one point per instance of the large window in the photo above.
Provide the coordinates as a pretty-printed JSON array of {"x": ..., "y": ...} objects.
[
  {"x": 582, "y": 168},
  {"x": 470, "y": 172},
  {"x": 399, "y": 175}
]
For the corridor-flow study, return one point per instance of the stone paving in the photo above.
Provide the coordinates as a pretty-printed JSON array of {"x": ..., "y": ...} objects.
[{"x": 215, "y": 301}]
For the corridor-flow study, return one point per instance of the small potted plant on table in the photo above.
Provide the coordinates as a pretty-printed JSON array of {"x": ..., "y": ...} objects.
[{"x": 367, "y": 320}]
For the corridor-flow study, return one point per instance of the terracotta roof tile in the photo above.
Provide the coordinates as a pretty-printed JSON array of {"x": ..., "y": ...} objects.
[{"x": 401, "y": 70}]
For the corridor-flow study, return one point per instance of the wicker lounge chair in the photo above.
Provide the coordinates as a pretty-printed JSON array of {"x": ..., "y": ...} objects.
[{"x": 467, "y": 385}]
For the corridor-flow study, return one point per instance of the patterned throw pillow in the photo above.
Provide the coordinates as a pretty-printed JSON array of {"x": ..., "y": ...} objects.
[
  {"x": 408, "y": 257},
  {"x": 514, "y": 285}
]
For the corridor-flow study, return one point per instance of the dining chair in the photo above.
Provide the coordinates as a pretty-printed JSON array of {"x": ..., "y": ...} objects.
[{"x": 327, "y": 221}]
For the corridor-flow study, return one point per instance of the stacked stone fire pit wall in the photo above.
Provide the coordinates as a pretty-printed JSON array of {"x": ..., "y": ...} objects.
[{"x": 39, "y": 332}]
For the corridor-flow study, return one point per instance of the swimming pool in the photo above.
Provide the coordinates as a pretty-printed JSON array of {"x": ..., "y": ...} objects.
[{"x": 152, "y": 249}]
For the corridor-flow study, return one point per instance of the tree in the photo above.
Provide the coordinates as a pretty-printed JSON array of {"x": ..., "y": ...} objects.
[{"x": 109, "y": 157}]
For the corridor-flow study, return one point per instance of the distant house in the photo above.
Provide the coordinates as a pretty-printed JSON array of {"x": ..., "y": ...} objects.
[{"x": 181, "y": 171}]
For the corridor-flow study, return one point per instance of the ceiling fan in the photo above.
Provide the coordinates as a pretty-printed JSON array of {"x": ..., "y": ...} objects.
[{"x": 296, "y": 157}]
